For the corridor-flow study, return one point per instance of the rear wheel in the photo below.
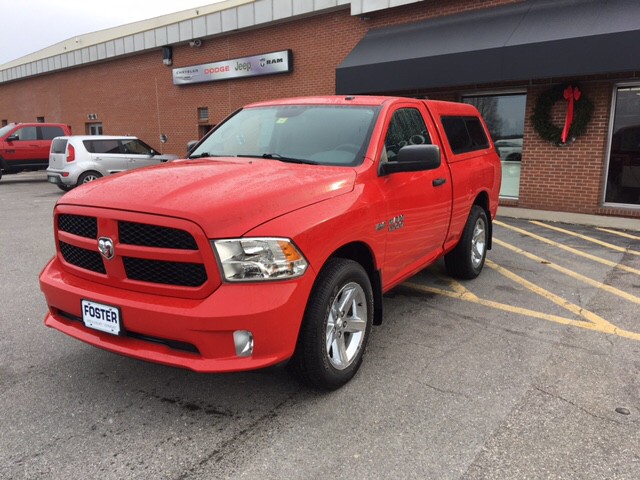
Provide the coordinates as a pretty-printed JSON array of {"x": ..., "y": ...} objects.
[
  {"x": 467, "y": 259},
  {"x": 336, "y": 326},
  {"x": 87, "y": 177}
]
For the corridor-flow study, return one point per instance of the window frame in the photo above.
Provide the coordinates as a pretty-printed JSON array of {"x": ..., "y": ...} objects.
[
  {"x": 607, "y": 159},
  {"x": 502, "y": 93}
]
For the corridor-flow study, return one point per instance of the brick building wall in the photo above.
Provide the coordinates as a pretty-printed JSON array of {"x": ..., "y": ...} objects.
[{"x": 568, "y": 177}]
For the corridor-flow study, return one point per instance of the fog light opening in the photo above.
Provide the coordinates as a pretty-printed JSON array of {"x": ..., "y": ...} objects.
[{"x": 243, "y": 340}]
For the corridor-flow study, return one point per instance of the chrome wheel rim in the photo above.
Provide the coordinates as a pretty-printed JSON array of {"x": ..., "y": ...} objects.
[
  {"x": 346, "y": 325},
  {"x": 90, "y": 178},
  {"x": 478, "y": 243}
]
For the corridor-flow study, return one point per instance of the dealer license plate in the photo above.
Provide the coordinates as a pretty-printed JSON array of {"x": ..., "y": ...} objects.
[{"x": 101, "y": 317}]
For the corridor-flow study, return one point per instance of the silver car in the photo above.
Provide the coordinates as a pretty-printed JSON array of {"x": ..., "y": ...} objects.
[{"x": 78, "y": 159}]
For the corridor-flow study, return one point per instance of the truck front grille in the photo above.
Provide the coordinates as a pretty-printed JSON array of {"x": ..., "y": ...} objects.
[
  {"x": 155, "y": 236},
  {"x": 169, "y": 273},
  {"x": 159, "y": 255},
  {"x": 79, "y": 225},
  {"x": 83, "y": 258}
]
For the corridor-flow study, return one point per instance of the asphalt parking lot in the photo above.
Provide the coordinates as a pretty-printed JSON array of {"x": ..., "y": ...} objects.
[{"x": 530, "y": 371}]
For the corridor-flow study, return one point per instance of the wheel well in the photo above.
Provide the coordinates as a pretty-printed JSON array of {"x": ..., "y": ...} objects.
[
  {"x": 361, "y": 253},
  {"x": 482, "y": 200}
]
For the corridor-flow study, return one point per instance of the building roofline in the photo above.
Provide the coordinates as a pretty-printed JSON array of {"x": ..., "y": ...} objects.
[
  {"x": 175, "y": 28},
  {"x": 79, "y": 42}
]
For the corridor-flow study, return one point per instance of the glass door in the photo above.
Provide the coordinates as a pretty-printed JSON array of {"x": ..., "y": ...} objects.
[
  {"x": 623, "y": 171},
  {"x": 504, "y": 115}
]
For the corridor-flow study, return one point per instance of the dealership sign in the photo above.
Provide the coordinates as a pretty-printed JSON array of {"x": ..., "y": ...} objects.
[{"x": 266, "y": 64}]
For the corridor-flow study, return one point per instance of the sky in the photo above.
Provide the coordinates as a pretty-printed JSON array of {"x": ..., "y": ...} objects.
[{"x": 27, "y": 26}]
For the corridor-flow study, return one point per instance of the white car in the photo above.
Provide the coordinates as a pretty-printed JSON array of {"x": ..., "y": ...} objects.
[
  {"x": 510, "y": 149},
  {"x": 78, "y": 159}
]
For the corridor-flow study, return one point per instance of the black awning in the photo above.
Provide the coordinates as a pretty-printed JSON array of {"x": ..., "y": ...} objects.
[{"x": 524, "y": 41}]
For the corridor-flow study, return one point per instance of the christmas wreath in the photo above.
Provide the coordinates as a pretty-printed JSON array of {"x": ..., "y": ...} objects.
[{"x": 579, "y": 112}]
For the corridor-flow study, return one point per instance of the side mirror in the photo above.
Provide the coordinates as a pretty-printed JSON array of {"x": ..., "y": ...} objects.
[
  {"x": 413, "y": 158},
  {"x": 12, "y": 138},
  {"x": 190, "y": 146}
]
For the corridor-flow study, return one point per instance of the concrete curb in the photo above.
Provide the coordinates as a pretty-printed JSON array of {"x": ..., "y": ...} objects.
[{"x": 619, "y": 223}]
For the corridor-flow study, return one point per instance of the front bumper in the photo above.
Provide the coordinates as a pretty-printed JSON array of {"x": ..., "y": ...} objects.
[{"x": 190, "y": 333}]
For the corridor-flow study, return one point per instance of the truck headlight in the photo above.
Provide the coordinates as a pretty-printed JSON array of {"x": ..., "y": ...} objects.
[{"x": 253, "y": 259}]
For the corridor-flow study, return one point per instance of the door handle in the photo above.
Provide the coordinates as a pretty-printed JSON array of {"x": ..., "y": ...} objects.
[{"x": 439, "y": 182}]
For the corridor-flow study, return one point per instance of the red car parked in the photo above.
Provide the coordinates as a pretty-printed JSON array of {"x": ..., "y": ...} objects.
[{"x": 25, "y": 146}]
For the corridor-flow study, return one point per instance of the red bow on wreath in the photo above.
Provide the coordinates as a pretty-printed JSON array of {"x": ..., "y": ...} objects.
[{"x": 570, "y": 94}]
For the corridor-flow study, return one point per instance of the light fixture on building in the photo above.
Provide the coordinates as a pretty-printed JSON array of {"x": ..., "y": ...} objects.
[
  {"x": 167, "y": 55},
  {"x": 196, "y": 42},
  {"x": 92, "y": 116}
]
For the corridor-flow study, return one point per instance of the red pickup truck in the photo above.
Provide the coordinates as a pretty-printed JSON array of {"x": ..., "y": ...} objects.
[
  {"x": 276, "y": 239},
  {"x": 25, "y": 146}
]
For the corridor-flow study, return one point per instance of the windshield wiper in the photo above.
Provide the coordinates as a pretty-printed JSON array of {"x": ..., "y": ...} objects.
[
  {"x": 207, "y": 154},
  {"x": 201, "y": 155},
  {"x": 277, "y": 156}
]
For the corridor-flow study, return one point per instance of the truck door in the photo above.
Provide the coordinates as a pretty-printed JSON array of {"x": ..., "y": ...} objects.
[
  {"x": 419, "y": 203},
  {"x": 24, "y": 150}
]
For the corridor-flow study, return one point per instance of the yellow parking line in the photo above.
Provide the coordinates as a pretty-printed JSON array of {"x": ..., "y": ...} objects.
[
  {"x": 570, "y": 273},
  {"x": 567, "y": 305},
  {"x": 620, "y": 234},
  {"x": 586, "y": 238},
  {"x": 611, "y": 329},
  {"x": 460, "y": 289},
  {"x": 493, "y": 304},
  {"x": 569, "y": 249}
]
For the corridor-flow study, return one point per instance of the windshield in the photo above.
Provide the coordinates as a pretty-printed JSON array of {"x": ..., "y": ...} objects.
[
  {"x": 318, "y": 134},
  {"x": 6, "y": 128}
]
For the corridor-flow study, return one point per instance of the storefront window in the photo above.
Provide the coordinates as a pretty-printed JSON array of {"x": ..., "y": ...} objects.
[
  {"x": 504, "y": 115},
  {"x": 623, "y": 173}
]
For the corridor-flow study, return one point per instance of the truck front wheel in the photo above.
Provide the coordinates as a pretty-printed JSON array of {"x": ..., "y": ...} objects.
[
  {"x": 467, "y": 259},
  {"x": 336, "y": 326}
]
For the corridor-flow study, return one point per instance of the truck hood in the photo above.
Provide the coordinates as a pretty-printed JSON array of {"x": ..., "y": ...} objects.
[{"x": 227, "y": 197}]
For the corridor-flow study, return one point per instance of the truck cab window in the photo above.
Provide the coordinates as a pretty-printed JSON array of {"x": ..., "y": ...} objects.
[
  {"x": 405, "y": 128},
  {"x": 27, "y": 133}
]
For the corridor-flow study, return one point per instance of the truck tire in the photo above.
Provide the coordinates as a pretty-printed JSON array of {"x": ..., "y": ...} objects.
[
  {"x": 87, "y": 177},
  {"x": 335, "y": 327},
  {"x": 467, "y": 259}
]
